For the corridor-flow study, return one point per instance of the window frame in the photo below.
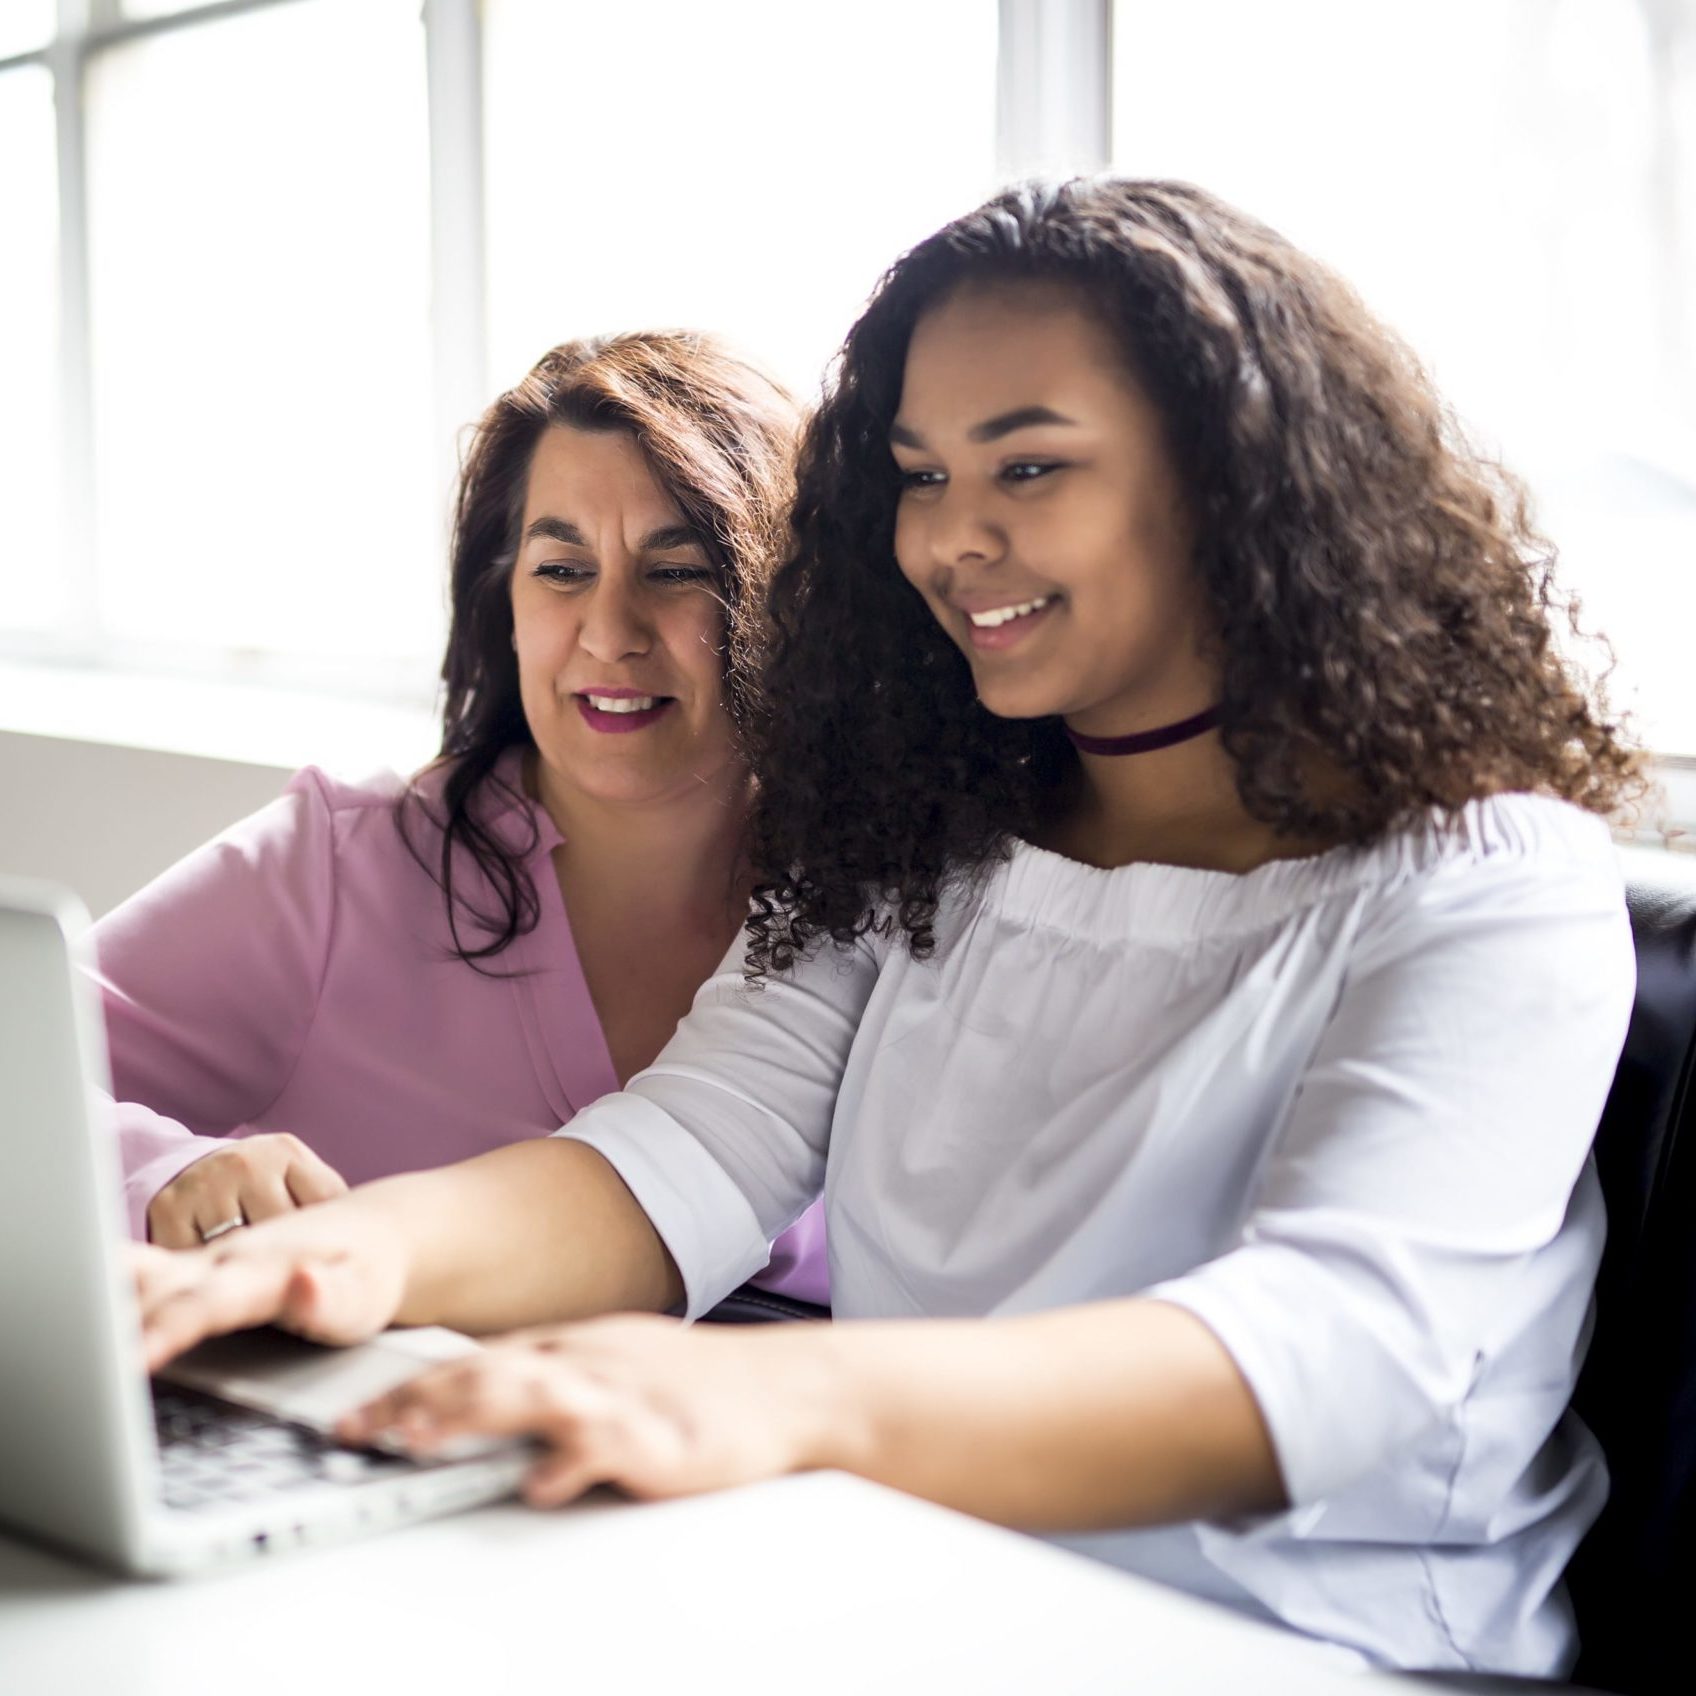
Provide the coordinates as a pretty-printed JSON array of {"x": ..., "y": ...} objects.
[
  {"x": 1054, "y": 112},
  {"x": 84, "y": 29},
  {"x": 1041, "y": 41}
]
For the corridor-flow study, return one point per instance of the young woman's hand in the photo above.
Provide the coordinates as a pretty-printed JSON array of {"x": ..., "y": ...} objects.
[
  {"x": 639, "y": 1402},
  {"x": 255, "y": 1178},
  {"x": 332, "y": 1274}
]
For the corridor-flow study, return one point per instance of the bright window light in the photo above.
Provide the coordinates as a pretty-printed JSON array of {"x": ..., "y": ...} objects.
[
  {"x": 749, "y": 169},
  {"x": 260, "y": 263},
  {"x": 1512, "y": 185},
  {"x": 26, "y": 26},
  {"x": 32, "y": 581},
  {"x": 157, "y": 8}
]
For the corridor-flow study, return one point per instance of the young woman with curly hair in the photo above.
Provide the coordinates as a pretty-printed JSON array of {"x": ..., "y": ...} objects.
[{"x": 1191, "y": 963}]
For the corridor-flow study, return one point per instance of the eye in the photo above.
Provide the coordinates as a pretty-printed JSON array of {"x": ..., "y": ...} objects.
[
  {"x": 567, "y": 573},
  {"x": 1029, "y": 470},
  {"x": 683, "y": 574},
  {"x": 906, "y": 480}
]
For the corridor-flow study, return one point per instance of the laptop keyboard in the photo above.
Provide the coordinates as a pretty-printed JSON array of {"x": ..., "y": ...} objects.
[{"x": 213, "y": 1454}]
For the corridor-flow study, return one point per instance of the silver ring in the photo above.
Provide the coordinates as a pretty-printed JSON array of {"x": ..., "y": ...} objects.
[{"x": 210, "y": 1233}]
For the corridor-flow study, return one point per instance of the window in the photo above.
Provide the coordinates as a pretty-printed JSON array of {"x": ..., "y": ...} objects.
[
  {"x": 297, "y": 276},
  {"x": 1512, "y": 185},
  {"x": 26, "y": 26},
  {"x": 629, "y": 188},
  {"x": 259, "y": 243},
  {"x": 265, "y": 257},
  {"x": 33, "y": 588}
]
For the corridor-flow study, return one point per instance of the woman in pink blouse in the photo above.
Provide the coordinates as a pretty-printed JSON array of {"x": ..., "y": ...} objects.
[{"x": 371, "y": 978}]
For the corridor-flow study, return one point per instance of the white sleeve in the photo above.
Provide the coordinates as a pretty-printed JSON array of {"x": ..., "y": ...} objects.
[
  {"x": 723, "y": 1139},
  {"x": 1430, "y": 1153}
]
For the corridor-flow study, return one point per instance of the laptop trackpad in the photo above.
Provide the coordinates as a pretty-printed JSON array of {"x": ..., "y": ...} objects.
[{"x": 305, "y": 1383}]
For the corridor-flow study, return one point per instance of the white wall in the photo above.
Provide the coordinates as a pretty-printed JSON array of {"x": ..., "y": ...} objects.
[{"x": 104, "y": 819}]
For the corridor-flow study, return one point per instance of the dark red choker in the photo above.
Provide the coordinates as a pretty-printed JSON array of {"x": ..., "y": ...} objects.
[{"x": 1145, "y": 741}]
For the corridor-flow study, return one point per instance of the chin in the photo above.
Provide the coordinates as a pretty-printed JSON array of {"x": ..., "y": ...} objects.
[
  {"x": 636, "y": 777},
  {"x": 1010, "y": 701},
  {"x": 646, "y": 783}
]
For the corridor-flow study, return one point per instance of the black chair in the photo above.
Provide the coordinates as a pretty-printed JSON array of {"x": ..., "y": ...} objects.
[
  {"x": 1636, "y": 1572},
  {"x": 748, "y": 1306}
]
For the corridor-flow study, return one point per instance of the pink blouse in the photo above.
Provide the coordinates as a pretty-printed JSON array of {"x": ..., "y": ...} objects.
[{"x": 297, "y": 974}]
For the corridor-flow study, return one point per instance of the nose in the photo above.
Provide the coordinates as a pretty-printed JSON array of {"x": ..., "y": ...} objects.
[
  {"x": 960, "y": 530},
  {"x": 615, "y": 620}
]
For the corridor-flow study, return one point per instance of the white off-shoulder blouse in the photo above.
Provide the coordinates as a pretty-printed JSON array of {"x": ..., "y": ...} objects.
[{"x": 1338, "y": 1108}]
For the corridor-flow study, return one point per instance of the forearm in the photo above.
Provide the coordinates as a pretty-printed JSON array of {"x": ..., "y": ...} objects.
[
  {"x": 533, "y": 1232},
  {"x": 1117, "y": 1414}
]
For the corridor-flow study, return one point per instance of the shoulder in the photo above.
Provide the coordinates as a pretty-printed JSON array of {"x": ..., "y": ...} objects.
[
  {"x": 1501, "y": 855},
  {"x": 1522, "y": 849},
  {"x": 377, "y": 832},
  {"x": 284, "y": 857},
  {"x": 498, "y": 798},
  {"x": 376, "y": 791},
  {"x": 328, "y": 822},
  {"x": 1501, "y": 831},
  {"x": 353, "y": 803},
  {"x": 1513, "y": 887}
]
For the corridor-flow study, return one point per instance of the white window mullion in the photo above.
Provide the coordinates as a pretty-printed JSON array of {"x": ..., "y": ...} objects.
[
  {"x": 1671, "y": 28},
  {"x": 67, "y": 57},
  {"x": 1054, "y": 113},
  {"x": 458, "y": 292}
]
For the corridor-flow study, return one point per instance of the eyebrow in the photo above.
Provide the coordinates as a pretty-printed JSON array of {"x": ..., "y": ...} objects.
[
  {"x": 656, "y": 541},
  {"x": 555, "y": 530},
  {"x": 672, "y": 536},
  {"x": 992, "y": 429}
]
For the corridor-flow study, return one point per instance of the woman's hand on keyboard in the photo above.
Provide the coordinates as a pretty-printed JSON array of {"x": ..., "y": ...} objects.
[
  {"x": 334, "y": 1274},
  {"x": 635, "y": 1401},
  {"x": 255, "y": 1178}
]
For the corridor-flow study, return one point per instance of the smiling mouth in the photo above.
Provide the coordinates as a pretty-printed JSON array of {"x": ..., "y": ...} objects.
[
  {"x": 624, "y": 703},
  {"x": 997, "y": 628},
  {"x": 615, "y": 715},
  {"x": 998, "y": 616}
]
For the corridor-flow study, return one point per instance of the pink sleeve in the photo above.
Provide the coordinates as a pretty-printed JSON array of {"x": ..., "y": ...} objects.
[
  {"x": 800, "y": 1261},
  {"x": 209, "y": 980}
]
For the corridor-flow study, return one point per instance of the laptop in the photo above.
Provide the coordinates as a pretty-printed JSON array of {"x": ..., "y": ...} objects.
[{"x": 232, "y": 1461}]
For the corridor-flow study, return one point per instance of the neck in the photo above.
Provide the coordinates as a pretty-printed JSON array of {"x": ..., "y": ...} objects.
[
  {"x": 679, "y": 854},
  {"x": 1145, "y": 741},
  {"x": 1173, "y": 806}
]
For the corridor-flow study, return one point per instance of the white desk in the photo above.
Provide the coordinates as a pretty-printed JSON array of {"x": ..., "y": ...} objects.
[{"x": 815, "y": 1585}]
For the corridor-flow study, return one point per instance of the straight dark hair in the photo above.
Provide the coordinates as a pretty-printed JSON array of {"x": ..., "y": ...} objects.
[{"x": 719, "y": 437}]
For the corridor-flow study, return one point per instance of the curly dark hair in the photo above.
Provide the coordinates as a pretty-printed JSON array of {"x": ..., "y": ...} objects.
[
  {"x": 1381, "y": 604},
  {"x": 719, "y": 436}
]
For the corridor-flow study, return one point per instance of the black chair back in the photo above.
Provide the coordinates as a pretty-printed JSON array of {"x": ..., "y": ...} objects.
[{"x": 1636, "y": 1572}]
